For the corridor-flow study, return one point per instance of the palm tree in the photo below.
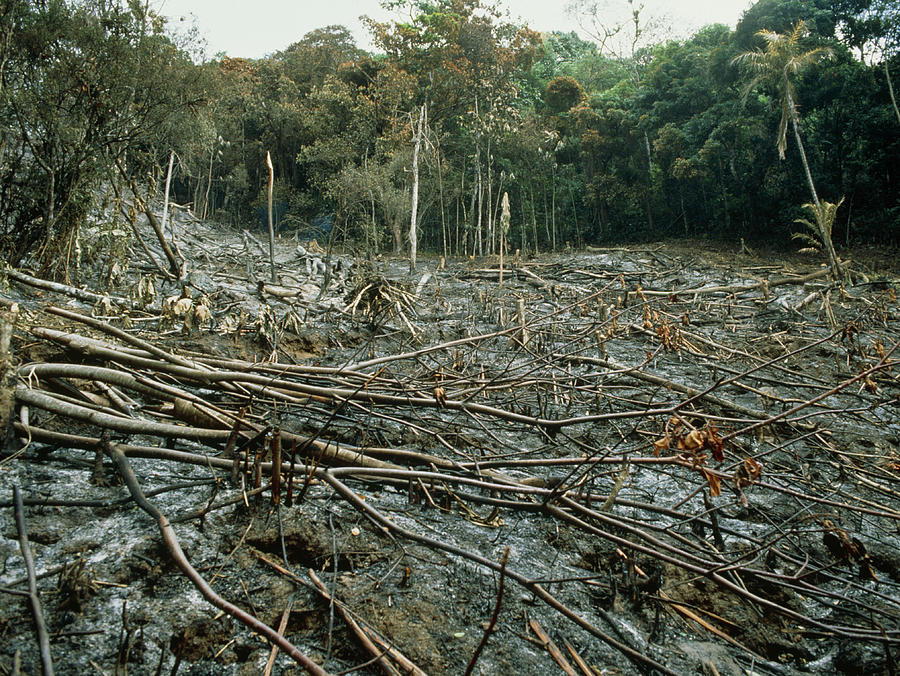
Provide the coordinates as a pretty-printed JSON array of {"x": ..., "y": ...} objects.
[{"x": 775, "y": 65}]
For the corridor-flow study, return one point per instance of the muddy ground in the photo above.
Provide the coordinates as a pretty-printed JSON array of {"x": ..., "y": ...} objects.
[{"x": 679, "y": 457}]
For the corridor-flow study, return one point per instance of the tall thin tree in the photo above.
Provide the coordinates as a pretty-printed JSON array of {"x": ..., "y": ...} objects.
[
  {"x": 775, "y": 65},
  {"x": 274, "y": 277},
  {"x": 414, "y": 211}
]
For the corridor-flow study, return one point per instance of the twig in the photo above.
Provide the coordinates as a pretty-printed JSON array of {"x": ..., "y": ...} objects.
[
  {"x": 529, "y": 584},
  {"x": 123, "y": 467},
  {"x": 552, "y": 648},
  {"x": 34, "y": 599},
  {"x": 281, "y": 627},
  {"x": 366, "y": 638},
  {"x": 493, "y": 621}
]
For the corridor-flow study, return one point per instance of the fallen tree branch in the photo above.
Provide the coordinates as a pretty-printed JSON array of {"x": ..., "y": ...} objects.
[
  {"x": 367, "y": 637},
  {"x": 33, "y": 598},
  {"x": 177, "y": 268},
  {"x": 123, "y": 468},
  {"x": 66, "y": 290},
  {"x": 323, "y": 449},
  {"x": 765, "y": 284},
  {"x": 538, "y": 590},
  {"x": 494, "y": 615}
]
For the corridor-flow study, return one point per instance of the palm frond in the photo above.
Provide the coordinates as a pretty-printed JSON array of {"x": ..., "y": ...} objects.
[
  {"x": 808, "y": 239},
  {"x": 799, "y": 31},
  {"x": 775, "y": 65},
  {"x": 813, "y": 56},
  {"x": 753, "y": 61},
  {"x": 822, "y": 223}
]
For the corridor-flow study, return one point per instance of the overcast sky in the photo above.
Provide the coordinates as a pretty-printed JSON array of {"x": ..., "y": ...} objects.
[{"x": 259, "y": 27}]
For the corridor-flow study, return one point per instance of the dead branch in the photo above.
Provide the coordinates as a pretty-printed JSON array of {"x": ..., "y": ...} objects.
[
  {"x": 743, "y": 288},
  {"x": 65, "y": 289},
  {"x": 123, "y": 467},
  {"x": 34, "y": 600}
]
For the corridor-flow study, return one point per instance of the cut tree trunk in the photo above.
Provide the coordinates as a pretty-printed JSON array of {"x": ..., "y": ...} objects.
[{"x": 413, "y": 239}]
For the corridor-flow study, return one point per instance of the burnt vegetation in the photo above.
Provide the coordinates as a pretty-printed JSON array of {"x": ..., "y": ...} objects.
[{"x": 612, "y": 422}]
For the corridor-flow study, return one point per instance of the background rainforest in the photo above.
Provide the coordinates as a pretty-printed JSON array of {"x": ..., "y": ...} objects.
[{"x": 594, "y": 141}]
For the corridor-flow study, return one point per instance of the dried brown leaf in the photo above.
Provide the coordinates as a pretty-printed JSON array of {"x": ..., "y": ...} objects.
[
  {"x": 661, "y": 445},
  {"x": 715, "y": 485}
]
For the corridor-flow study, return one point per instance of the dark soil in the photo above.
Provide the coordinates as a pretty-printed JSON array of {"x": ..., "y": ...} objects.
[{"x": 747, "y": 580}]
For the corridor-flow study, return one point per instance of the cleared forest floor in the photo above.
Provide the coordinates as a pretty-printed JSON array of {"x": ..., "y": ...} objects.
[{"x": 673, "y": 456}]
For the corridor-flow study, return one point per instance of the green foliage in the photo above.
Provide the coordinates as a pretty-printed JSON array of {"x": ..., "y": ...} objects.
[
  {"x": 819, "y": 229},
  {"x": 84, "y": 84},
  {"x": 590, "y": 143},
  {"x": 780, "y": 16},
  {"x": 776, "y": 65},
  {"x": 562, "y": 94}
]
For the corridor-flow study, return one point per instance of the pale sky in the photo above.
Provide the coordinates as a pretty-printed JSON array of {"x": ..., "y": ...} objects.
[{"x": 259, "y": 27}]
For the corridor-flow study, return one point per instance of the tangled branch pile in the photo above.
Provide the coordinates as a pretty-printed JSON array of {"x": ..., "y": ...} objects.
[
  {"x": 374, "y": 296},
  {"x": 677, "y": 477}
]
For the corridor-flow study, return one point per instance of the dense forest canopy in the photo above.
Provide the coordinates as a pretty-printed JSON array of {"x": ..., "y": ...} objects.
[{"x": 711, "y": 136}]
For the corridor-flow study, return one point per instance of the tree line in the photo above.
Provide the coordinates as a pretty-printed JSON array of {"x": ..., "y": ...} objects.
[{"x": 625, "y": 136}]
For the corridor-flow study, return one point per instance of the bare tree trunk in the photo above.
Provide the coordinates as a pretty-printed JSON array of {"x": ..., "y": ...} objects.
[
  {"x": 198, "y": 205},
  {"x": 396, "y": 221},
  {"x": 504, "y": 228},
  {"x": 165, "y": 213},
  {"x": 495, "y": 209},
  {"x": 849, "y": 214},
  {"x": 480, "y": 192},
  {"x": 413, "y": 239},
  {"x": 462, "y": 237},
  {"x": 7, "y": 375},
  {"x": 604, "y": 219},
  {"x": 649, "y": 176},
  {"x": 177, "y": 268},
  {"x": 473, "y": 203},
  {"x": 550, "y": 237},
  {"x": 372, "y": 204},
  {"x": 824, "y": 230},
  {"x": 796, "y": 127},
  {"x": 523, "y": 244},
  {"x": 578, "y": 238},
  {"x": 724, "y": 195},
  {"x": 206, "y": 212},
  {"x": 649, "y": 156},
  {"x": 271, "y": 223},
  {"x": 49, "y": 213},
  {"x": 374, "y": 225},
  {"x": 553, "y": 207},
  {"x": 887, "y": 75},
  {"x": 490, "y": 201},
  {"x": 440, "y": 176}
]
